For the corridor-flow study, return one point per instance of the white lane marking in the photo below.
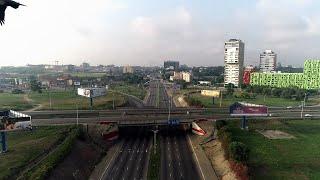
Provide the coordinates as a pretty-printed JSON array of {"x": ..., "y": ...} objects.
[
  {"x": 195, "y": 154},
  {"x": 105, "y": 170}
]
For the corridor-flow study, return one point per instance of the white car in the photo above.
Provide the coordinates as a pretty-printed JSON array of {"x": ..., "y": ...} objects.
[
  {"x": 307, "y": 115},
  {"x": 289, "y": 107}
]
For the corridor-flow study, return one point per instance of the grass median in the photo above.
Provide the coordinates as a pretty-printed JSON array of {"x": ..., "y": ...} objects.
[{"x": 154, "y": 163}]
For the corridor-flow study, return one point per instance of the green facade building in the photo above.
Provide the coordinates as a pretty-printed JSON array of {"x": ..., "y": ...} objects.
[{"x": 309, "y": 79}]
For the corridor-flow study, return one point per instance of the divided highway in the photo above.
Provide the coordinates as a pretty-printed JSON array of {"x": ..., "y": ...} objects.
[
  {"x": 176, "y": 156},
  {"x": 132, "y": 160}
]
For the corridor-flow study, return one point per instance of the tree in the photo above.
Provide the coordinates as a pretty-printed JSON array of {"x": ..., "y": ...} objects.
[
  {"x": 230, "y": 89},
  {"x": 35, "y": 85}
]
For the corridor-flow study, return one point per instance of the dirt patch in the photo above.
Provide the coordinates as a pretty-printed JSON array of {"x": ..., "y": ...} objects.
[
  {"x": 79, "y": 163},
  {"x": 215, "y": 153},
  {"x": 275, "y": 134}
]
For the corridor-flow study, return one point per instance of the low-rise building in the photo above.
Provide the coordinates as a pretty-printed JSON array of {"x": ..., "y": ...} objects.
[{"x": 186, "y": 76}]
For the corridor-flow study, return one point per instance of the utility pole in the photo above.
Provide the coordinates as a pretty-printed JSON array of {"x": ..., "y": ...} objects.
[
  {"x": 220, "y": 98},
  {"x": 113, "y": 105},
  {"x": 302, "y": 104},
  {"x": 77, "y": 114},
  {"x": 169, "y": 109},
  {"x": 50, "y": 102}
]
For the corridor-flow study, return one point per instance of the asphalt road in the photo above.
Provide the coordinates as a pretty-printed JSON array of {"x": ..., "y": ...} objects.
[
  {"x": 132, "y": 160},
  {"x": 176, "y": 156}
]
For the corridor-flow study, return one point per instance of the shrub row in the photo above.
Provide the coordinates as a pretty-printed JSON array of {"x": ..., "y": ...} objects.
[
  {"x": 193, "y": 102},
  {"x": 236, "y": 152},
  {"x": 42, "y": 170},
  {"x": 154, "y": 163}
]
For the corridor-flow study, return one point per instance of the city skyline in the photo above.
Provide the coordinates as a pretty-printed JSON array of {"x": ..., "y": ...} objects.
[{"x": 148, "y": 33}]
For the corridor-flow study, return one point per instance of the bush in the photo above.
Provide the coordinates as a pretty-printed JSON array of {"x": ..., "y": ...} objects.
[
  {"x": 1, "y": 91},
  {"x": 225, "y": 137},
  {"x": 239, "y": 152},
  {"x": 240, "y": 170},
  {"x": 220, "y": 123},
  {"x": 193, "y": 101},
  {"x": 42, "y": 170}
]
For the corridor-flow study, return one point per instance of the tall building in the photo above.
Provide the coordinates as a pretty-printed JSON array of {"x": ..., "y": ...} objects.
[
  {"x": 171, "y": 65},
  {"x": 309, "y": 79},
  {"x": 233, "y": 62},
  {"x": 268, "y": 61},
  {"x": 127, "y": 69}
]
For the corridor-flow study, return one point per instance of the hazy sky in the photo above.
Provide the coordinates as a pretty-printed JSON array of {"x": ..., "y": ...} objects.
[{"x": 147, "y": 32}]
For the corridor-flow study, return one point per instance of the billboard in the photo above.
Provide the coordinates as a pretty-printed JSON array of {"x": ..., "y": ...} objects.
[
  {"x": 246, "y": 109},
  {"x": 211, "y": 93},
  {"x": 246, "y": 77},
  {"x": 92, "y": 92},
  {"x": 13, "y": 121}
]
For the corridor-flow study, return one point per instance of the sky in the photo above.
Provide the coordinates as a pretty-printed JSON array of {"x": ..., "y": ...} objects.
[{"x": 148, "y": 32}]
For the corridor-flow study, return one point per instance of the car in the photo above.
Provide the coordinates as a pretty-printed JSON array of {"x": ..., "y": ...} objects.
[
  {"x": 289, "y": 107},
  {"x": 307, "y": 115}
]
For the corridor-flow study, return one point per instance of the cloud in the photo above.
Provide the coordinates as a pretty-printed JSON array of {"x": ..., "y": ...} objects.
[{"x": 112, "y": 31}]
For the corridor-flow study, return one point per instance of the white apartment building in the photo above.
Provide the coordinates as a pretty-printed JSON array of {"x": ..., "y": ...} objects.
[
  {"x": 233, "y": 62},
  {"x": 186, "y": 76},
  {"x": 268, "y": 61}
]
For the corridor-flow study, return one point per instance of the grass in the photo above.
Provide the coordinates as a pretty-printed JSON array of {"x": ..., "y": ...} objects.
[
  {"x": 14, "y": 101},
  {"x": 25, "y": 146},
  {"x": 43, "y": 169},
  {"x": 134, "y": 90},
  {"x": 154, "y": 163},
  {"x": 297, "y": 158},
  {"x": 269, "y": 101},
  {"x": 69, "y": 100}
]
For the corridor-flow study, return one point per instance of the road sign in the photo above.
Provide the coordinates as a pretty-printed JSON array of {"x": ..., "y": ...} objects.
[{"x": 173, "y": 121}]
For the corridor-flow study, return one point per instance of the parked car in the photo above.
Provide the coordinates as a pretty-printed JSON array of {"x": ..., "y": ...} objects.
[{"x": 289, "y": 107}]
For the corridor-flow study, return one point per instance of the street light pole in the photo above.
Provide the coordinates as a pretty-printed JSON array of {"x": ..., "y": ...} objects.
[
  {"x": 77, "y": 114},
  {"x": 50, "y": 103},
  {"x": 113, "y": 100},
  {"x": 169, "y": 109},
  {"x": 302, "y": 104}
]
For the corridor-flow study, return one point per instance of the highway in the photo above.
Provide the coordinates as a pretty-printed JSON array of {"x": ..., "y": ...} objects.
[
  {"x": 132, "y": 160},
  {"x": 176, "y": 156}
]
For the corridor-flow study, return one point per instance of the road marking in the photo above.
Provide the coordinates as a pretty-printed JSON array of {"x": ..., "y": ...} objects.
[
  {"x": 195, "y": 154},
  {"x": 105, "y": 170}
]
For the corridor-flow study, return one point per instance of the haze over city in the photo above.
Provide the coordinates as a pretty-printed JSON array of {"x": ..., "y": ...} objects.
[{"x": 148, "y": 32}]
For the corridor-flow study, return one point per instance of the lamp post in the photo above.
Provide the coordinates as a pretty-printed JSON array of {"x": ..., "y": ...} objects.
[
  {"x": 169, "y": 109},
  {"x": 302, "y": 104},
  {"x": 77, "y": 113}
]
